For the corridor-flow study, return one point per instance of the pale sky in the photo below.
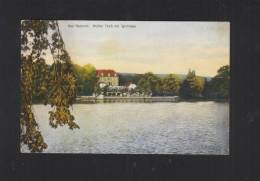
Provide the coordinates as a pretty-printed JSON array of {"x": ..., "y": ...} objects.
[{"x": 156, "y": 46}]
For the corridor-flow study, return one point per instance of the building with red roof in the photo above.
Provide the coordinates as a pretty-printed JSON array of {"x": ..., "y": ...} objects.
[{"x": 107, "y": 76}]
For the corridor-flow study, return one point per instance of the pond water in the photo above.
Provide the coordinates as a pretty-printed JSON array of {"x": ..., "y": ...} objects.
[{"x": 140, "y": 128}]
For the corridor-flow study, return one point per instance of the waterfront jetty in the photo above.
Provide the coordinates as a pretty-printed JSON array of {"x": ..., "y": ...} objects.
[{"x": 107, "y": 99}]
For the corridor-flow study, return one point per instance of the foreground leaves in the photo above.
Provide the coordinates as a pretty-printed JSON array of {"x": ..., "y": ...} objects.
[{"x": 50, "y": 84}]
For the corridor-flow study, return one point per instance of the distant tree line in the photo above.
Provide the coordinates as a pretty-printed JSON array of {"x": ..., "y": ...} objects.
[
  {"x": 191, "y": 87},
  {"x": 125, "y": 79}
]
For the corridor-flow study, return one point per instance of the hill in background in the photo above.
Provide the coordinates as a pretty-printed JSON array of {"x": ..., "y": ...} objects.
[{"x": 125, "y": 78}]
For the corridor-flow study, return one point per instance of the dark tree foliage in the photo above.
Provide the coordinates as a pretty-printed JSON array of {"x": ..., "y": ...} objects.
[
  {"x": 125, "y": 79},
  {"x": 52, "y": 84},
  {"x": 219, "y": 85},
  {"x": 192, "y": 86},
  {"x": 170, "y": 85},
  {"x": 206, "y": 89}
]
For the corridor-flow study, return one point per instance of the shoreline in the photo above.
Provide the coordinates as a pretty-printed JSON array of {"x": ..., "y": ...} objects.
[{"x": 157, "y": 99}]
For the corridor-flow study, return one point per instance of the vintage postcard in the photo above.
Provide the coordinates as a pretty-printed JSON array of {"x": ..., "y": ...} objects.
[{"x": 125, "y": 87}]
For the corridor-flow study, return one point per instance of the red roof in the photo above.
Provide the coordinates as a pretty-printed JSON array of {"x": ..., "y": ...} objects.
[{"x": 106, "y": 73}]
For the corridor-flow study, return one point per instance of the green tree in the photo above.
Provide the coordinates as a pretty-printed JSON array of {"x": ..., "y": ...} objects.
[
  {"x": 148, "y": 83},
  {"x": 171, "y": 85},
  {"x": 199, "y": 85},
  {"x": 86, "y": 79},
  {"x": 54, "y": 84},
  {"x": 192, "y": 86}
]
